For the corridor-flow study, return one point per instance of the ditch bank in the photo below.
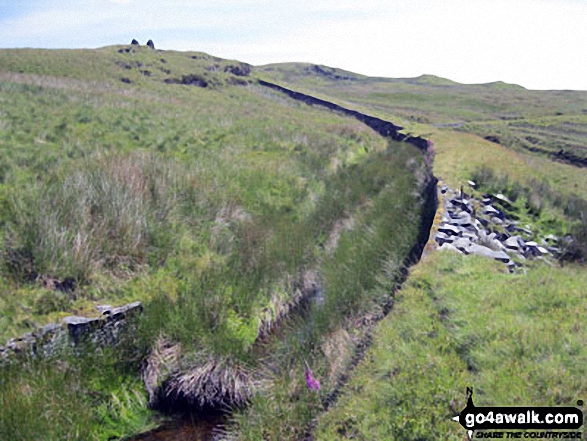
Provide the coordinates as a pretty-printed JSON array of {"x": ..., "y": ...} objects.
[
  {"x": 384, "y": 128},
  {"x": 206, "y": 423},
  {"x": 428, "y": 214}
]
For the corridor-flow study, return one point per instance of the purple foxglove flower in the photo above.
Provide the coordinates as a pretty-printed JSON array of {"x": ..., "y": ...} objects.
[{"x": 312, "y": 383}]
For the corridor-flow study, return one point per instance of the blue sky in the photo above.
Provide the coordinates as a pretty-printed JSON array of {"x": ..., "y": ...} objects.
[{"x": 539, "y": 44}]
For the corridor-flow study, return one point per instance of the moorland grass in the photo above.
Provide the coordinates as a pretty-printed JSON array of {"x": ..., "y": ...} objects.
[
  {"x": 548, "y": 120},
  {"x": 205, "y": 204},
  {"x": 67, "y": 397},
  {"x": 462, "y": 321},
  {"x": 238, "y": 160},
  {"x": 459, "y": 155},
  {"x": 358, "y": 278},
  {"x": 437, "y": 340},
  {"x": 426, "y": 97},
  {"x": 220, "y": 198},
  {"x": 552, "y": 133}
]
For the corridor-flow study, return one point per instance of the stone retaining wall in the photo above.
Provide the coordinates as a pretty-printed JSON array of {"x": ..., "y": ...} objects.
[{"x": 73, "y": 330}]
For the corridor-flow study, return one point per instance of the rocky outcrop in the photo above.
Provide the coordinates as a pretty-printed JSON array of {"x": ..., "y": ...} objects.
[
  {"x": 151, "y": 44},
  {"x": 73, "y": 330},
  {"x": 188, "y": 80},
  {"x": 240, "y": 70},
  {"x": 471, "y": 226}
]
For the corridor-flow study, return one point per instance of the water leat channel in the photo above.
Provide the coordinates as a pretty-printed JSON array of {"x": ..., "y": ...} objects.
[{"x": 209, "y": 426}]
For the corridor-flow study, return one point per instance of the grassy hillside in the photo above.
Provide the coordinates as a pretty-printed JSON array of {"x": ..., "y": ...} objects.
[
  {"x": 428, "y": 96},
  {"x": 174, "y": 179},
  {"x": 210, "y": 156}
]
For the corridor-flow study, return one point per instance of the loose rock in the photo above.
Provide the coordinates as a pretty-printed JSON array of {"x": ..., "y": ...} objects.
[{"x": 487, "y": 235}]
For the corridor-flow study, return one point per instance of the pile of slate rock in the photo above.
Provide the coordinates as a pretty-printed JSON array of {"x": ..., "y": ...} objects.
[{"x": 473, "y": 226}]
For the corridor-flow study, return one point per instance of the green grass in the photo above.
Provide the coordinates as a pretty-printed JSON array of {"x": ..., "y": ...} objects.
[
  {"x": 549, "y": 134},
  {"x": 201, "y": 168},
  {"x": 459, "y": 155},
  {"x": 520, "y": 118},
  {"x": 427, "y": 96},
  {"x": 358, "y": 278},
  {"x": 461, "y": 321},
  {"x": 67, "y": 397},
  {"x": 435, "y": 342},
  {"x": 207, "y": 204}
]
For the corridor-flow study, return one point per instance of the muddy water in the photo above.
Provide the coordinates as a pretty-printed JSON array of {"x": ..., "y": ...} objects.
[{"x": 207, "y": 428}]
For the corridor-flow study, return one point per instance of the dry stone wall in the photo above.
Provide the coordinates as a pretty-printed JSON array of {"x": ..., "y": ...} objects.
[{"x": 72, "y": 331}]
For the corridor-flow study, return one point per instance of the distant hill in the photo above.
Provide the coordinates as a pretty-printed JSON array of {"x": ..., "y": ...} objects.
[{"x": 552, "y": 122}]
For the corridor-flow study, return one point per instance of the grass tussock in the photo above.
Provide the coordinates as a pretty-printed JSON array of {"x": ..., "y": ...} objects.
[
  {"x": 163, "y": 360},
  {"x": 215, "y": 383},
  {"x": 111, "y": 213},
  {"x": 94, "y": 397}
]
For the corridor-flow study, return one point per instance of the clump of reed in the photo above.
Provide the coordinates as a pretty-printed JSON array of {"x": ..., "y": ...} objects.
[{"x": 113, "y": 213}]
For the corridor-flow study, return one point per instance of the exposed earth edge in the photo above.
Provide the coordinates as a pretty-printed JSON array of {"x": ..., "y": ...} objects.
[{"x": 429, "y": 210}]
